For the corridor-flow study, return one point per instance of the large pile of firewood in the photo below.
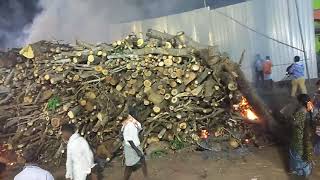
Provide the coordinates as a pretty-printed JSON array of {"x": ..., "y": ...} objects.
[{"x": 176, "y": 85}]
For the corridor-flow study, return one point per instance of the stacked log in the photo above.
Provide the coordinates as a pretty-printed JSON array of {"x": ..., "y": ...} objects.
[{"x": 177, "y": 87}]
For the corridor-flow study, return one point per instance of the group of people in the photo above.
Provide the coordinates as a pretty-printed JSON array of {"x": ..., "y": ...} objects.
[
  {"x": 263, "y": 69},
  {"x": 80, "y": 164},
  {"x": 305, "y": 121}
]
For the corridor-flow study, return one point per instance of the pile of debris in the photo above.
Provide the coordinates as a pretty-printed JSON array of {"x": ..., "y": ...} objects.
[{"x": 177, "y": 87}]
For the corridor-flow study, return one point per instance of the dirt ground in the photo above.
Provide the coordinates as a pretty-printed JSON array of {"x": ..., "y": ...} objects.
[{"x": 265, "y": 164}]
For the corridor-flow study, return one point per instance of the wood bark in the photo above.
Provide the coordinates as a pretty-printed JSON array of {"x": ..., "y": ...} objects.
[
  {"x": 174, "y": 52},
  {"x": 159, "y": 35}
]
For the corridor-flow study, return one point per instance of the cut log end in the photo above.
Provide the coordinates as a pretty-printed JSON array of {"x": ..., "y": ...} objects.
[{"x": 156, "y": 109}]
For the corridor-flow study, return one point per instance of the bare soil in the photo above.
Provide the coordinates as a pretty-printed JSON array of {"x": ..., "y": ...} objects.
[{"x": 265, "y": 164}]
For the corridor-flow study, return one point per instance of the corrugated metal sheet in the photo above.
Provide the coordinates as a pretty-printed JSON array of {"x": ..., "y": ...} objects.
[
  {"x": 274, "y": 18},
  {"x": 231, "y": 28}
]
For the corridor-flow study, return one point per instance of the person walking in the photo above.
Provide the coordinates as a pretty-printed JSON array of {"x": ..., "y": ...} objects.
[
  {"x": 300, "y": 148},
  {"x": 259, "y": 71},
  {"x": 267, "y": 71},
  {"x": 296, "y": 70},
  {"x": 133, "y": 153},
  {"x": 80, "y": 160},
  {"x": 31, "y": 170}
]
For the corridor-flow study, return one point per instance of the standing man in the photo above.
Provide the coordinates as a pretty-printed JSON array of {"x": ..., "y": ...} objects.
[
  {"x": 134, "y": 157},
  {"x": 296, "y": 70},
  {"x": 79, "y": 155},
  {"x": 259, "y": 70},
  {"x": 31, "y": 170},
  {"x": 267, "y": 71}
]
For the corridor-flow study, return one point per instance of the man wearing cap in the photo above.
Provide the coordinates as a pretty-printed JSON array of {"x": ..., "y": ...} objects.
[{"x": 31, "y": 170}]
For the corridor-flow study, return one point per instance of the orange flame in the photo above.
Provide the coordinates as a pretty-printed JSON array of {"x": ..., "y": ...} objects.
[
  {"x": 250, "y": 115},
  {"x": 310, "y": 106},
  {"x": 246, "y": 110},
  {"x": 7, "y": 156},
  {"x": 204, "y": 134}
]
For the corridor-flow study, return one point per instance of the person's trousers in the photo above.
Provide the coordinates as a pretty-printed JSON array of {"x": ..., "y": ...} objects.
[
  {"x": 259, "y": 78},
  {"x": 300, "y": 82}
]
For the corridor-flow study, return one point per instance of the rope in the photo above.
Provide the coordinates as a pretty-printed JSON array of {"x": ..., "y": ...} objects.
[{"x": 255, "y": 31}]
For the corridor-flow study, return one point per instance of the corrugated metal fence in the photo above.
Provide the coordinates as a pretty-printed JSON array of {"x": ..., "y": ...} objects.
[{"x": 254, "y": 26}]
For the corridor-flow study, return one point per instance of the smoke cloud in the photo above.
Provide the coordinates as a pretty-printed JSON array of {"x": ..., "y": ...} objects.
[
  {"x": 15, "y": 15},
  {"x": 26, "y": 21},
  {"x": 90, "y": 20}
]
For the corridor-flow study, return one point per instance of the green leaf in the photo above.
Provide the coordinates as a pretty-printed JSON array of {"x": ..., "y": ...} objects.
[
  {"x": 177, "y": 144},
  {"x": 53, "y": 103}
]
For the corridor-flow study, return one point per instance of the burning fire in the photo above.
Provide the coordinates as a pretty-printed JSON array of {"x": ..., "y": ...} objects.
[
  {"x": 250, "y": 115},
  {"x": 310, "y": 106},
  {"x": 204, "y": 134},
  {"x": 7, "y": 156},
  {"x": 246, "y": 110}
]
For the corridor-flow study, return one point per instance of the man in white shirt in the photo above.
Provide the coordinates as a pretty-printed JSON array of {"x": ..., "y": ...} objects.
[
  {"x": 80, "y": 160},
  {"x": 31, "y": 170},
  {"x": 133, "y": 153}
]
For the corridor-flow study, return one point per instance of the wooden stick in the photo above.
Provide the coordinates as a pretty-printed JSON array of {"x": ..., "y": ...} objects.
[
  {"x": 9, "y": 77},
  {"x": 159, "y": 35},
  {"x": 6, "y": 99},
  {"x": 202, "y": 76},
  {"x": 74, "y": 111}
]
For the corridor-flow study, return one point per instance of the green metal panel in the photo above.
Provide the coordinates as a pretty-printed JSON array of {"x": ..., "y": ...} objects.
[
  {"x": 316, "y": 4},
  {"x": 317, "y": 43}
]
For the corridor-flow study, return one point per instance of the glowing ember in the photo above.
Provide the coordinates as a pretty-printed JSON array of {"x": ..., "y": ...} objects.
[
  {"x": 250, "y": 115},
  {"x": 246, "y": 110},
  {"x": 310, "y": 106},
  {"x": 204, "y": 134},
  {"x": 7, "y": 155}
]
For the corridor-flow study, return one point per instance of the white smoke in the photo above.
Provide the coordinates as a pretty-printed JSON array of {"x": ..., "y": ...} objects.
[{"x": 91, "y": 20}]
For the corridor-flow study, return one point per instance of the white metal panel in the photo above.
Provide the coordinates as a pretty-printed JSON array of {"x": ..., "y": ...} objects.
[
  {"x": 195, "y": 24},
  {"x": 274, "y": 18},
  {"x": 182, "y": 22},
  {"x": 156, "y": 23},
  {"x": 252, "y": 26},
  {"x": 232, "y": 37},
  {"x": 202, "y": 26}
]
